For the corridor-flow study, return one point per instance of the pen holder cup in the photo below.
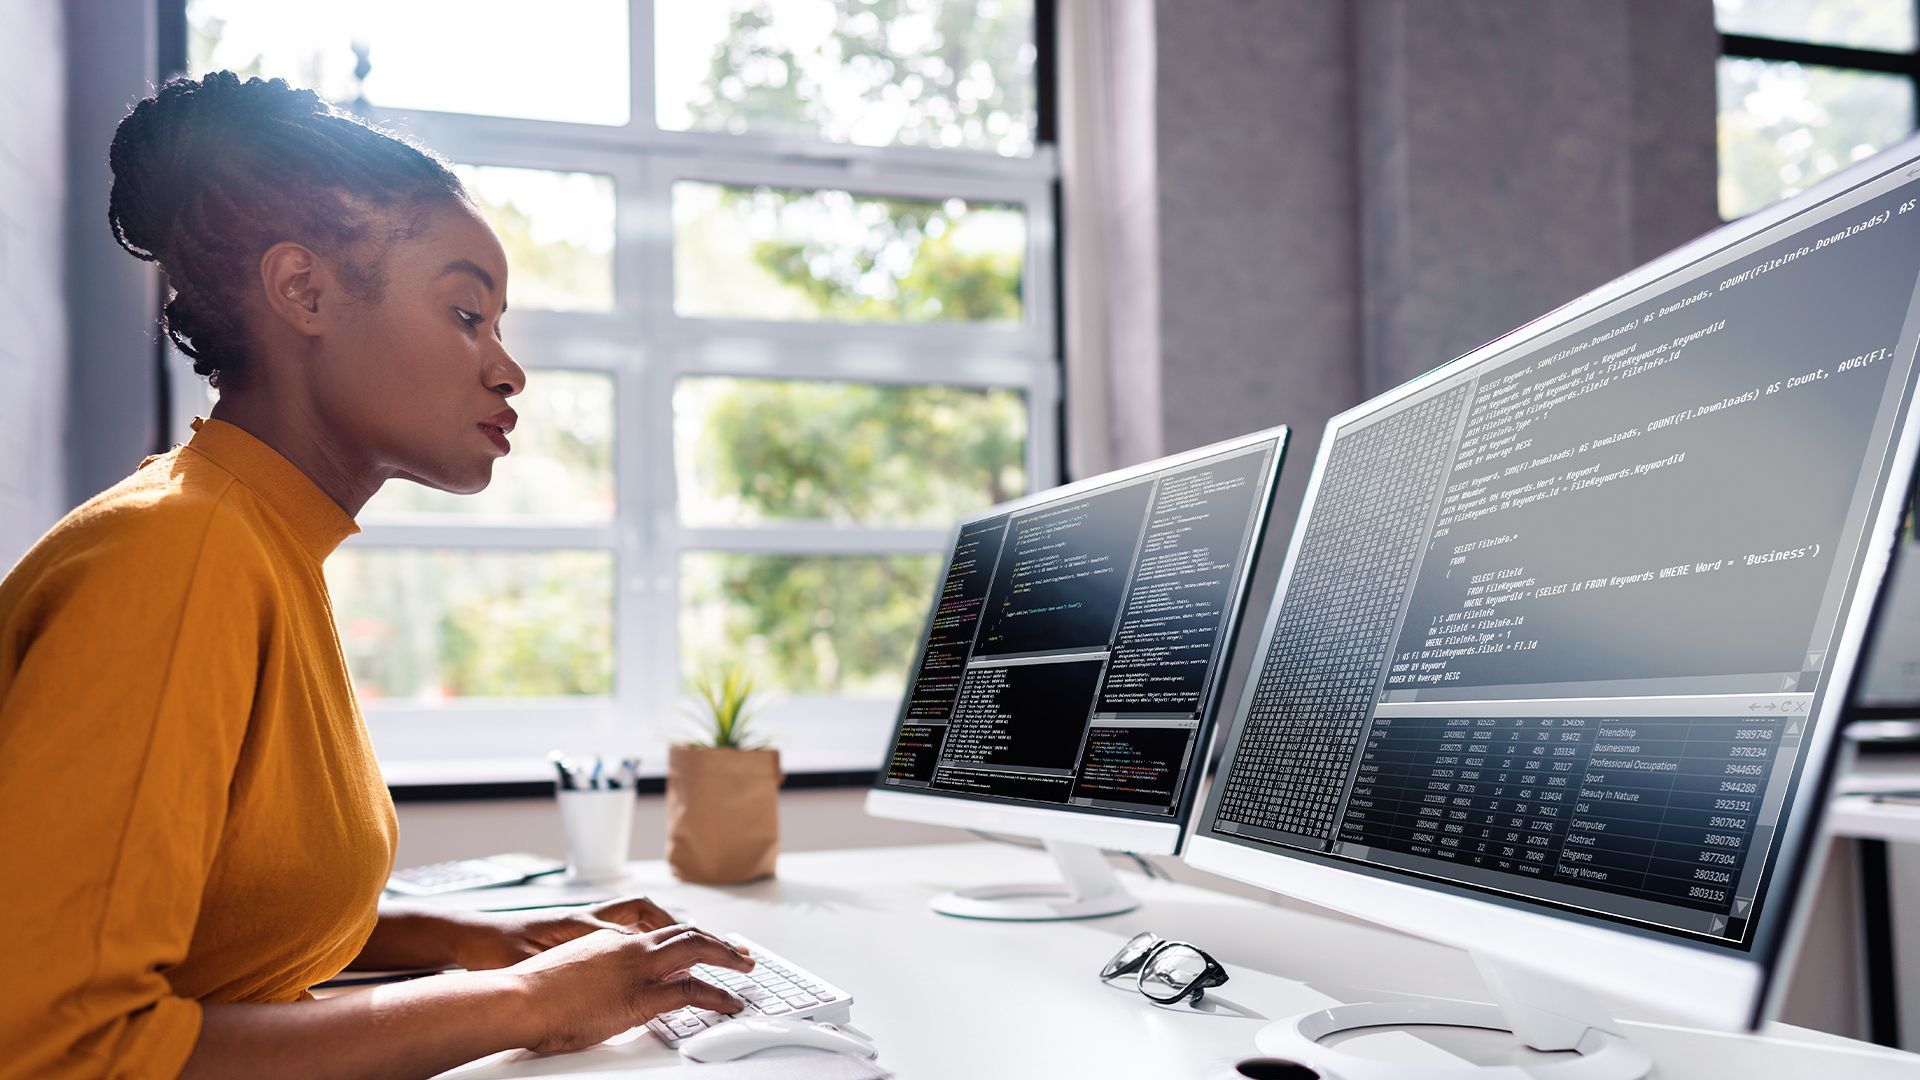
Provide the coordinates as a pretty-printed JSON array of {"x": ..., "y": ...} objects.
[{"x": 599, "y": 830}]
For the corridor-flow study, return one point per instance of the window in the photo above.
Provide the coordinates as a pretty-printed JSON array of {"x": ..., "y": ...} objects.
[
  {"x": 783, "y": 283},
  {"x": 1807, "y": 87}
]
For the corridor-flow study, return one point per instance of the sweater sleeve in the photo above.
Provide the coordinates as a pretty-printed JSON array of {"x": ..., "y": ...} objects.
[{"x": 127, "y": 676}]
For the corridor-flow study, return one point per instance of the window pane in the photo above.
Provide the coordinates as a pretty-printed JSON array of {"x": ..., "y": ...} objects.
[
  {"x": 561, "y": 467},
  {"x": 771, "y": 253},
  {"x": 557, "y": 228},
  {"x": 1862, "y": 24},
  {"x": 433, "y": 624},
  {"x": 806, "y": 624},
  {"x": 491, "y": 57},
  {"x": 749, "y": 450},
  {"x": 943, "y": 73},
  {"x": 1784, "y": 126}
]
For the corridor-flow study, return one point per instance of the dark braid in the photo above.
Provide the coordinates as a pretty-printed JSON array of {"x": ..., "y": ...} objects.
[{"x": 208, "y": 174}]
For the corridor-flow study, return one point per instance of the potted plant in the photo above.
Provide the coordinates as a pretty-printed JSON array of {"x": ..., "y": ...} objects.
[{"x": 723, "y": 787}]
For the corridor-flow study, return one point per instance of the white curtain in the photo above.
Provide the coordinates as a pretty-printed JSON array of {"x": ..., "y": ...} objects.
[{"x": 1110, "y": 227}]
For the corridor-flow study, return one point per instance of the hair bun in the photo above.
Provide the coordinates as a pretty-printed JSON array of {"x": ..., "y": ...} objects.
[
  {"x": 210, "y": 173},
  {"x": 160, "y": 150}
]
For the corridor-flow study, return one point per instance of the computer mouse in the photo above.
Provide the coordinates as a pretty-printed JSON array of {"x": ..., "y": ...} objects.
[{"x": 738, "y": 1038}]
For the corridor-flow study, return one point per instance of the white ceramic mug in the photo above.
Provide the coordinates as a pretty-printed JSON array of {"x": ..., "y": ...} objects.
[{"x": 599, "y": 828}]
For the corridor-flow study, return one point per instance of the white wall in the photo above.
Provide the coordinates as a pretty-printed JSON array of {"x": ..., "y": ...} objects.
[
  {"x": 113, "y": 405},
  {"x": 33, "y": 346}
]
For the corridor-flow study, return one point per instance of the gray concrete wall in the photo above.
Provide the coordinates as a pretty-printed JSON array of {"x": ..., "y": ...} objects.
[
  {"x": 112, "y": 418},
  {"x": 1260, "y": 296},
  {"x": 1351, "y": 193},
  {"x": 33, "y": 351},
  {"x": 1513, "y": 156}
]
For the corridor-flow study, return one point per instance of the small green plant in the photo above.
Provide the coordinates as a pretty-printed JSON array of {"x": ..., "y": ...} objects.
[{"x": 723, "y": 700}]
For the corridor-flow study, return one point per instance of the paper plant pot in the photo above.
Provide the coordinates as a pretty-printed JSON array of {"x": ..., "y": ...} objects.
[{"x": 723, "y": 814}]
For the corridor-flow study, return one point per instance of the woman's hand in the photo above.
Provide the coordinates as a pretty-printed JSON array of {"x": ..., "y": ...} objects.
[
  {"x": 593, "y": 987},
  {"x": 578, "y": 993},
  {"x": 503, "y": 939}
]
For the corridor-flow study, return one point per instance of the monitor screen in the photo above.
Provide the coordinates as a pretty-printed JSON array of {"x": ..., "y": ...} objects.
[
  {"x": 1075, "y": 646},
  {"x": 1890, "y": 687},
  {"x": 1557, "y": 617}
]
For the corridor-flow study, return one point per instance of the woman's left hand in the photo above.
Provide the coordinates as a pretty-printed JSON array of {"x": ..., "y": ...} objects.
[{"x": 502, "y": 939}]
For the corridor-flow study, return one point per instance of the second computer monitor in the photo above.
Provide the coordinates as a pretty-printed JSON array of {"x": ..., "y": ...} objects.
[
  {"x": 1566, "y": 631},
  {"x": 1065, "y": 683}
]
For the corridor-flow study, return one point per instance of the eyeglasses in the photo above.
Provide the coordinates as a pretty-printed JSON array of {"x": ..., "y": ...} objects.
[{"x": 1169, "y": 971}]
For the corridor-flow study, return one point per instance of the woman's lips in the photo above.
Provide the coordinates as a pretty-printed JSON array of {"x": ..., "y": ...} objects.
[{"x": 497, "y": 426}]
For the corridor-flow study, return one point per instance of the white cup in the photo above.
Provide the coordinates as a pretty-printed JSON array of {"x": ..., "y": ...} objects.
[{"x": 599, "y": 828}]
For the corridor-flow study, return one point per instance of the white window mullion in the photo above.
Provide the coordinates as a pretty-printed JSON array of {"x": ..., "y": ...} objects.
[
  {"x": 648, "y": 424},
  {"x": 661, "y": 662},
  {"x": 642, "y": 124},
  {"x": 643, "y": 590}
]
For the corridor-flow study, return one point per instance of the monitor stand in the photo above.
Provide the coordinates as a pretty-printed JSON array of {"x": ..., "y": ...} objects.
[
  {"x": 1542, "y": 1012},
  {"x": 1089, "y": 888}
]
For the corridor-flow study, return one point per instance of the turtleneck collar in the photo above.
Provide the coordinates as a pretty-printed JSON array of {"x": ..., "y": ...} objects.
[{"x": 316, "y": 520}]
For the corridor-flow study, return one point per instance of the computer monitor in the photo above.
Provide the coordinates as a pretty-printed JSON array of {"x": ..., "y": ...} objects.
[
  {"x": 1071, "y": 664},
  {"x": 1890, "y": 685},
  {"x": 1559, "y": 652}
]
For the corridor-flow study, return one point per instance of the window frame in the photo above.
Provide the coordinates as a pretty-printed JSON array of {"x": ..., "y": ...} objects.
[{"x": 646, "y": 347}]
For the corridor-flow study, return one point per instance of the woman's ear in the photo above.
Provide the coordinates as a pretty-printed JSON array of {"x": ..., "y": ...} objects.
[{"x": 293, "y": 280}]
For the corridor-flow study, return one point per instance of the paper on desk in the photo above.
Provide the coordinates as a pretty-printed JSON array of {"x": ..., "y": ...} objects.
[
  {"x": 783, "y": 1064},
  {"x": 517, "y": 897}
]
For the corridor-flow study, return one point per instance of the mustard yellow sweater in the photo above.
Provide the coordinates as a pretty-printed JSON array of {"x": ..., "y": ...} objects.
[{"x": 190, "y": 807}]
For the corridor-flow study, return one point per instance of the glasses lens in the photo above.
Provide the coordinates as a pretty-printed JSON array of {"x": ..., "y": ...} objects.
[
  {"x": 1171, "y": 972},
  {"x": 1129, "y": 955}
]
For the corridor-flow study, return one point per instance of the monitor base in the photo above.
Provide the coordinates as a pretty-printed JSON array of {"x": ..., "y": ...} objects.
[
  {"x": 1542, "y": 1012},
  {"x": 1089, "y": 889}
]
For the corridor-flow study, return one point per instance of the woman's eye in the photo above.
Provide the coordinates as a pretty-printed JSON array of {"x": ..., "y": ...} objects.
[{"x": 467, "y": 318}]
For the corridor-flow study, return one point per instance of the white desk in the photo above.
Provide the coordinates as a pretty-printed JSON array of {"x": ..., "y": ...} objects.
[
  {"x": 1859, "y": 817},
  {"x": 946, "y": 997}
]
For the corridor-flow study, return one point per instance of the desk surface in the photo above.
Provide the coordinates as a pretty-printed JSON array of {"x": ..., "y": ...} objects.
[{"x": 947, "y": 997}]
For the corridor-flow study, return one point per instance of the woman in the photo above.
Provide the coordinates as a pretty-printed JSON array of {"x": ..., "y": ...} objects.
[{"x": 197, "y": 830}]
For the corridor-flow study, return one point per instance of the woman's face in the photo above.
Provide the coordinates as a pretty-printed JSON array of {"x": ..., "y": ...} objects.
[{"x": 415, "y": 377}]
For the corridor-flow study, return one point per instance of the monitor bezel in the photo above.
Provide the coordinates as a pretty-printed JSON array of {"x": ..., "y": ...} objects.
[
  {"x": 1091, "y": 825},
  {"x": 1723, "y": 985}
]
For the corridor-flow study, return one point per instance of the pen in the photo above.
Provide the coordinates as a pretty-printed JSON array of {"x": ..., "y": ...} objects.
[
  {"x": 599, "y": 763},
  {"x": 565, "y": 769}
]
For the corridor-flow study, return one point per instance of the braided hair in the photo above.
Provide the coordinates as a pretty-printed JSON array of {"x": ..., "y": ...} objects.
[{"x": 210, "y": 173}]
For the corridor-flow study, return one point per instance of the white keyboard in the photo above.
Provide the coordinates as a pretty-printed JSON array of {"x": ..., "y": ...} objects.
[
  {"x": 773, "y": 988},
  {"x": 461, "y": 874}
]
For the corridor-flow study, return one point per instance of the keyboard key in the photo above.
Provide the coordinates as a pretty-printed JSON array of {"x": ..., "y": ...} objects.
[{"x": 773, "y": 988}]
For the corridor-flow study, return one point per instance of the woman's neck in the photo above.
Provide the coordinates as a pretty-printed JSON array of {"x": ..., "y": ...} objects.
[{"x": 296, "y": 434}]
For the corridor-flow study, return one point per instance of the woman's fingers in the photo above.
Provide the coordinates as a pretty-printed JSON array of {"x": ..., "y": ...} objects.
[
  {"x": 635, "y": 912},
  {"x": 701, "y": 994},
  {"x": 679, "y": 947}
]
